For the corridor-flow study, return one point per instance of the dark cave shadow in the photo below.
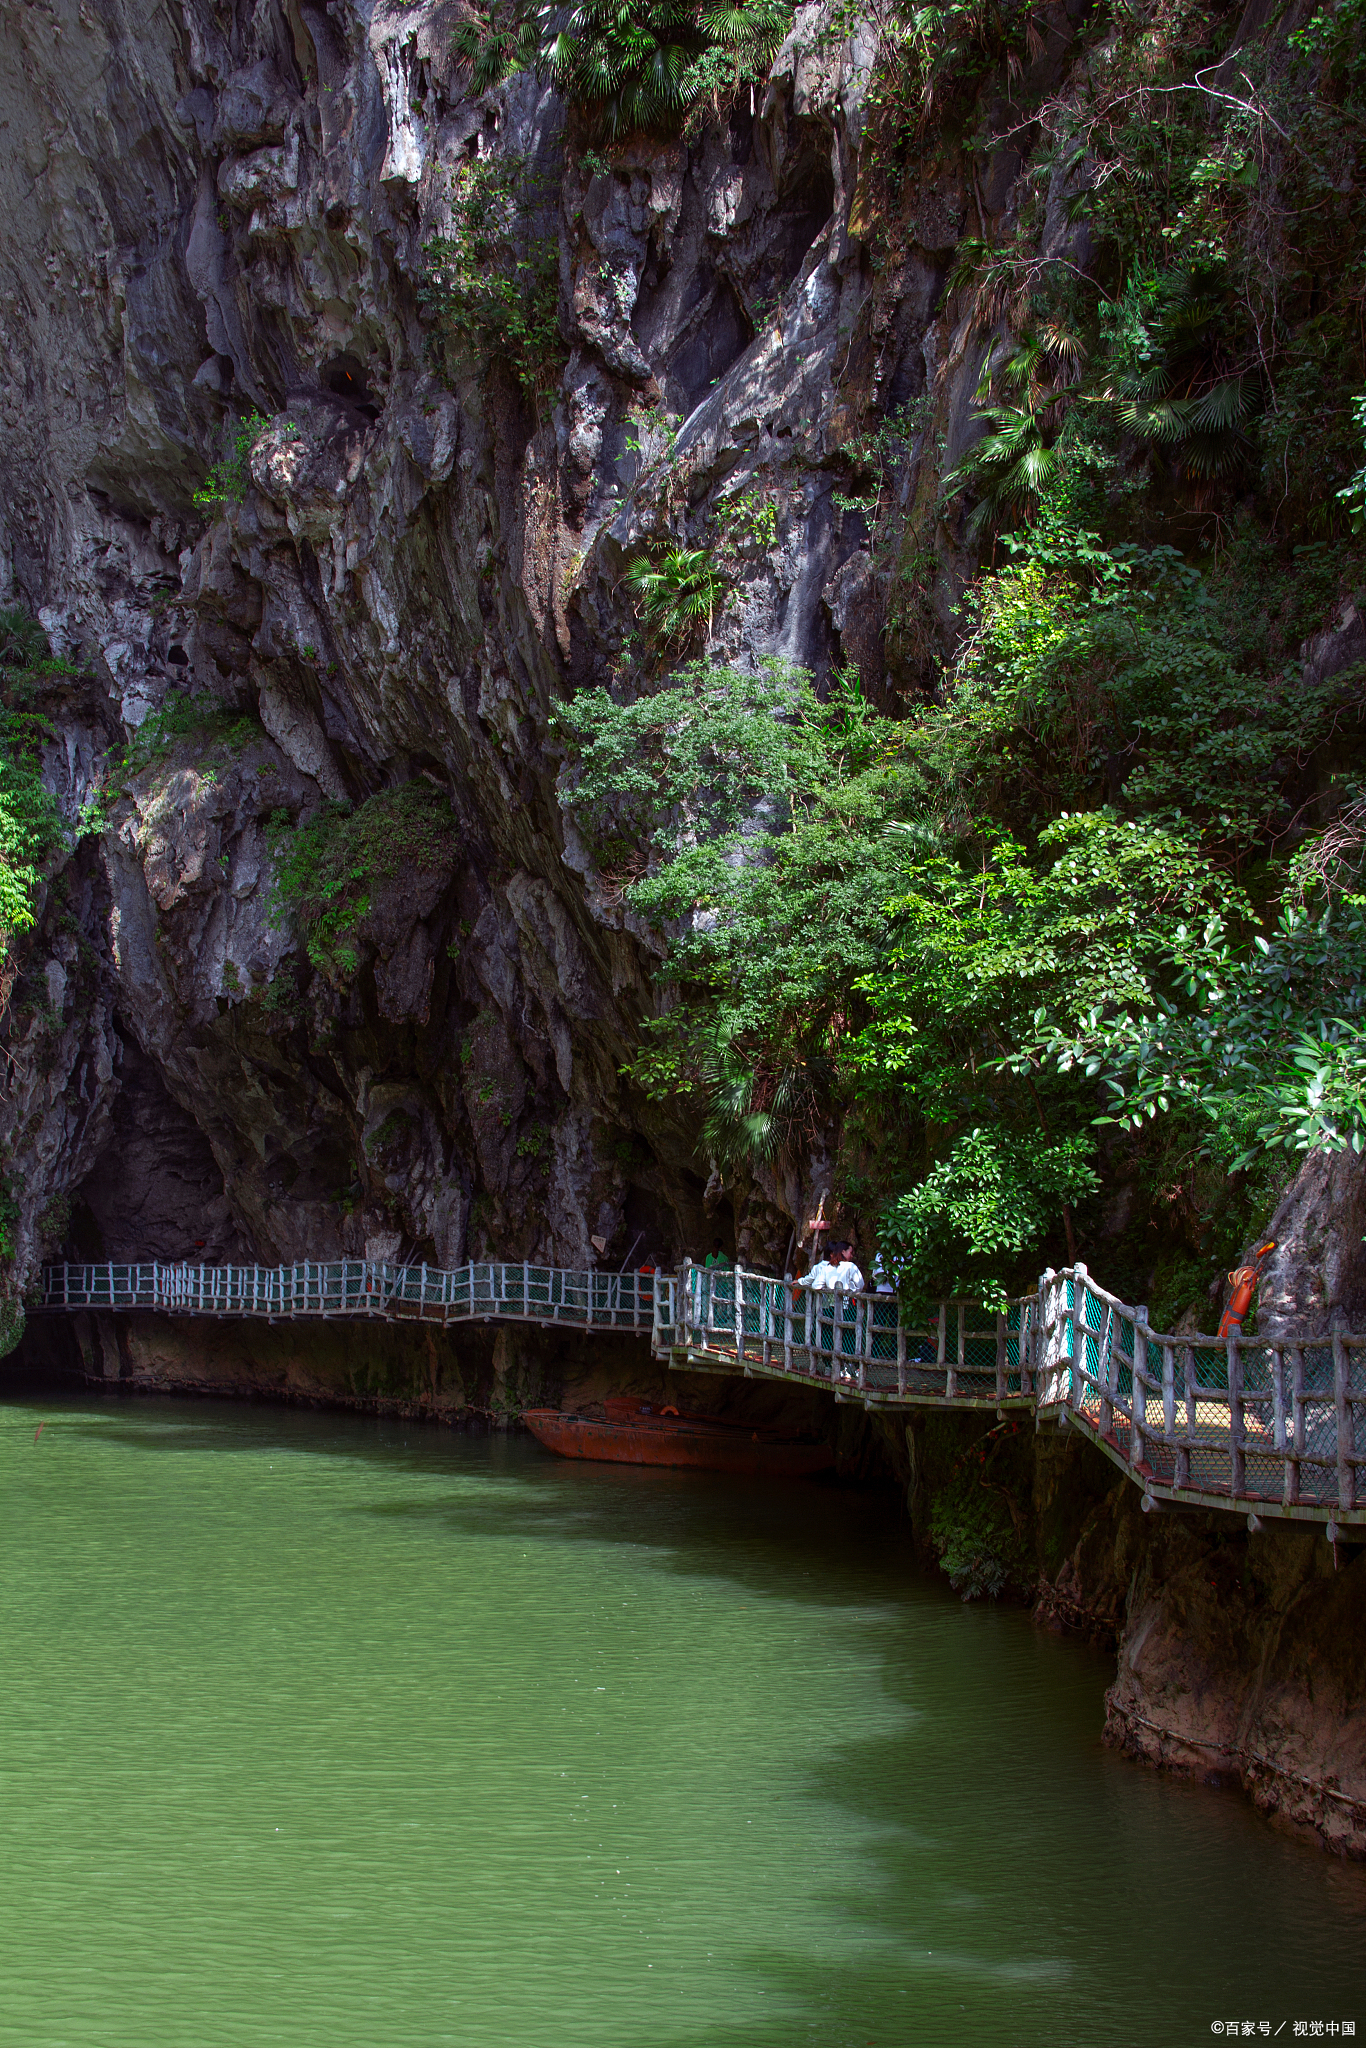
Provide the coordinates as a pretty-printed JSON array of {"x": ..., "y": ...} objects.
[{"x": 694, "y": 1522}]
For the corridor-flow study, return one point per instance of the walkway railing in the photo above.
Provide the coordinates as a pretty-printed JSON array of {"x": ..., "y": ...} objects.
[
  {"x": 1277, "y": 1429},
  {"x": 853, "y": 1343},
  {"x": 1281, "y": 1427},
  {"x": 547, "y": 1295}
]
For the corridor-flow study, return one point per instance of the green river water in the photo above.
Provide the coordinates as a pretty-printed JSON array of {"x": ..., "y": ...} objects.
[{"x": 345, "y": 1734}]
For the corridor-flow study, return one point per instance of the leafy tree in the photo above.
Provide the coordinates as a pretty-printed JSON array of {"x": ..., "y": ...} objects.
[
  {"x": 962, "y": 1232},
  {"x": 1090, "y": 672},
  {"x": 983, "y": 935},
  {"x": 1264, "y": 1042},
  {"x": 493, "y": 281},
  {"x": 746, "y": 819}
]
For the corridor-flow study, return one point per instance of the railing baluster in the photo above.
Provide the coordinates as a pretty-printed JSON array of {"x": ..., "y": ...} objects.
[
  {"x": 1138, "y": 1392},
  {"x": 1237, "y": 1461},
  {"x": 1105, "y": 1373},
  {"x": 1169, "y": 1394},
  {"x": 1292, "y": 1467},
  {"x": 1183, "y": 1457},
  {"x": 1278, "y": 1399},
  {"x": 1342, "y": 1421}
]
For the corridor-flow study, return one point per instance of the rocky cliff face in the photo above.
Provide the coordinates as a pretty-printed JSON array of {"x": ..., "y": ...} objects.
[
  {"x": 216, "y": 209},
  {"x": 1240, "y": 1652}
]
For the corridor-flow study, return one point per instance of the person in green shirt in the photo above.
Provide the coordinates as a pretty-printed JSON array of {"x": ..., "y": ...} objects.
[{"x": 716, "y": 1260}]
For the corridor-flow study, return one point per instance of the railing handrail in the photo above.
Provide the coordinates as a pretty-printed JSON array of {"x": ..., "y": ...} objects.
[{"x": 1160, "y": 1404}]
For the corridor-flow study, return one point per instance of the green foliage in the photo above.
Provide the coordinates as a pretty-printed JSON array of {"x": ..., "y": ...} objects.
[
  {"x": 747, "y": 818},
  {"x": 493, "y": 281},
  {"x": 976, "y": 1525},
  {"x": 1166, "y": 376},
  {"x": 654, "y": 436},
  {"x": 327, "y": 870},
  {"x": 394, "y": 1128},
  {"x": 982, "y": 937},
  {"x": 202, "y": 719},
  {"x": 749, "y": 520},
  {"x": 12, "y": 1321},
  {"x": 969, "y": 1222},
  {"x": 31, "y": 829},
  {"x": 676, "y": 591},
  {"x": 1265, "y": 1042},
  {"x": 629, "y": 69},
  {"x": 1353, "y": 494},
  {"x": 500, "y": 41},
  {"x": 1019, "y": 458},
  {"x": 229, "y": 480},
  {"x": 1087, "y": 666}
]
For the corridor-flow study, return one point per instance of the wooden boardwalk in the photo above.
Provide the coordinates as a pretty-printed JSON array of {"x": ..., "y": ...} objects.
[
  {"x": 549, "y": 1296},
  {"x": 1271, "y": 1431}
]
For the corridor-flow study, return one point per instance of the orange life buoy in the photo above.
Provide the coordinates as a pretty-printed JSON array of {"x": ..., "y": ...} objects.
[{"x": 1243, "y": 1280}]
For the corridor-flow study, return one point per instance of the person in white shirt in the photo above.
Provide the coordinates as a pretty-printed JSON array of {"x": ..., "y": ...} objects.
[
  {"x": 838, "y": 1270},
  {"x": 820, "y": 1278},
  {"x": 847, "y": 1274}
]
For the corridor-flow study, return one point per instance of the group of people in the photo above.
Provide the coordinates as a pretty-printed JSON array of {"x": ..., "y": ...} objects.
[{"x": 834, "y": 1267}]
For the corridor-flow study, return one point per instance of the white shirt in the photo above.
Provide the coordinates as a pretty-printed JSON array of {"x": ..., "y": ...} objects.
[
  {"x": 821, "y": 1277},
  {"x": 824, "y": 1278}
]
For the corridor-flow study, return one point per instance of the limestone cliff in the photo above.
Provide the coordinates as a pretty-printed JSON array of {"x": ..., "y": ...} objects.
[
  {"x": 218, "y": 209},
  {"x": 1240, "y": 1652}
]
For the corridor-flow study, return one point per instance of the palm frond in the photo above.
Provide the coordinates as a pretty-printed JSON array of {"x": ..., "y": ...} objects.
[{"x": 1225, "y": 405}]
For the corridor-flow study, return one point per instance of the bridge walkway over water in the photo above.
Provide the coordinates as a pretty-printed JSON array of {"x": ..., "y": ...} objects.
[{"x": 1270, "y": 1430}]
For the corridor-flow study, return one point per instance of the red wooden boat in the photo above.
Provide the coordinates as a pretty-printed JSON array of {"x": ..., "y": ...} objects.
[{"x": 633, "y": 1433}]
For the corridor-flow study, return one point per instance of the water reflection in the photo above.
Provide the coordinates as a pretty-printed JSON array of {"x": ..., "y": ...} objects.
[{"x": 322, "y": 1730}]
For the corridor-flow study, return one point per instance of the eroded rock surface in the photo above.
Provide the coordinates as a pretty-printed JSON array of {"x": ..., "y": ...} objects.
[{"x": 220, "y": 210}]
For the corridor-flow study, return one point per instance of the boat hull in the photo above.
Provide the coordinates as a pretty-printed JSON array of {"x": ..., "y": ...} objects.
[{"x": 699, "y": 1446}]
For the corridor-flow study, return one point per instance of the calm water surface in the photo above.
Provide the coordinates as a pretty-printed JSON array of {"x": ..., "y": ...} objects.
[{"x": 321, "y": 1731}]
